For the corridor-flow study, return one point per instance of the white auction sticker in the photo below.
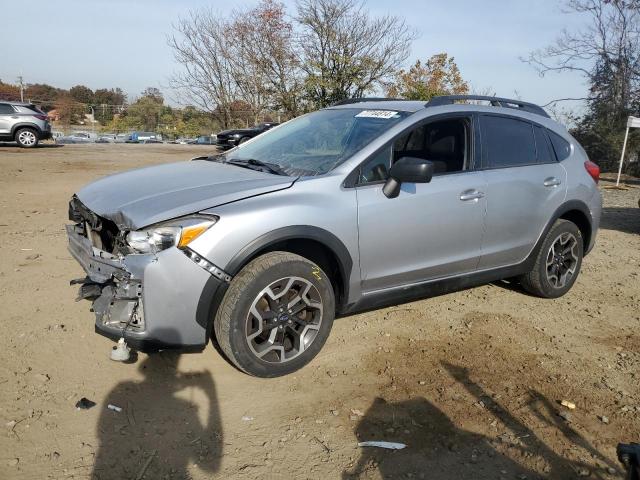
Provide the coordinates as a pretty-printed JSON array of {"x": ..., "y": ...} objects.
[{"x": 377, "y": 114}]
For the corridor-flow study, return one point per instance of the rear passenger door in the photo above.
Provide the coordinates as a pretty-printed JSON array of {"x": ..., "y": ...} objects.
[{"x": 525, "y": 185}]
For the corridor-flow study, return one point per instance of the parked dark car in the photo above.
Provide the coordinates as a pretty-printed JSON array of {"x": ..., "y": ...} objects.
[{"x": 232, "y": 138}]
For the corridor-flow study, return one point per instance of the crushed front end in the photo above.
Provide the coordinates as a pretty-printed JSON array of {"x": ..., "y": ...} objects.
[{"x": 156, "y": 301}]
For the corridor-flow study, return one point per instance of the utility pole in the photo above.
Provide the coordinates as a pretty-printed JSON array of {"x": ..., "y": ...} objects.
[{"x": 20, "y": 81}]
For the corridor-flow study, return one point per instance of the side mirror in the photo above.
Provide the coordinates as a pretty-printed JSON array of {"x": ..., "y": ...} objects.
[{"x": 407, "y": 170}]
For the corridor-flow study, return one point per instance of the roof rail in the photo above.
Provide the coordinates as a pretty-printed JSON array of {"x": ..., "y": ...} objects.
[
  {"x": 494, "y": 101},
  {"x": 347, "y": 101}
]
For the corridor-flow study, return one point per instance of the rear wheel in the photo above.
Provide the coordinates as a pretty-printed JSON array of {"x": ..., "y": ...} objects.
[
  {"x": 558, "y": 262},
  {"x": 276, "y": 315},
  {"x": 26, "y": 138}
]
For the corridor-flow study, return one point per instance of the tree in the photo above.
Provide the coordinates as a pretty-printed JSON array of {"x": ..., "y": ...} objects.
[
  {"x": 346, "y": 53},
  {"x": 9, "y": 92},
  {"x": 107, "y": 103},
  {"x": 154, "y": 94},
  {"x": 81, "y": 94},
  {"x": 607, "y": 54},
  {"x": 265, "y": 42},
  {"x": 438, "y": 76},
  {"x": 43, "y": 94},
  {"x": 145, "y": 112},
  {"x": 69, "y": 110},
  {"x": 201, "y": 48}
]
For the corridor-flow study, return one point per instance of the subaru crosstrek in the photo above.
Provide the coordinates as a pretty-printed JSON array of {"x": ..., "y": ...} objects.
[{"x": 359, "y": 205}]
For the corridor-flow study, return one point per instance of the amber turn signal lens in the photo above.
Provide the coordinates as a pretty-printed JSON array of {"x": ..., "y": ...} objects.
[{"x": 189, "y": 234}]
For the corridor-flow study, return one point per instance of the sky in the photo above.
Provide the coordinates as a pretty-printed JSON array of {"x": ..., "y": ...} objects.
[{"x": 120, "y": 43}]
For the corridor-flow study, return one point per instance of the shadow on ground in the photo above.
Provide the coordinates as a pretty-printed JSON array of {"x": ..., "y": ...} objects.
[
  {"x": 623, "y": 219},
  {"x": 160, "y": 431},
  {"x": 439, "y": 449}
]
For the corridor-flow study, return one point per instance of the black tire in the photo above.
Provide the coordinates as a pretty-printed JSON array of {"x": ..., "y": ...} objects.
[
  {"x": 233, "y": 319},
  {"x": 544, "y": 279},
  {"x": 242, "y": 140},
  {"x": 26, "y": 137}
]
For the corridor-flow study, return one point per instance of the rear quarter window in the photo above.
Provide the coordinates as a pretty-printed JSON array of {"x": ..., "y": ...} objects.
[
  {"x": 561, "y": 147},
  {"x": 507, "y": 142},
  {"x": 6, "y": 108},
  {"x": 543, "y": 146}
]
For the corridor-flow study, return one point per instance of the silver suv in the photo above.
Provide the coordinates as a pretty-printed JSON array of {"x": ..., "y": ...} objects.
[
  {"x": 23, "y": 123},
  {"x": 367, "y": 203}
]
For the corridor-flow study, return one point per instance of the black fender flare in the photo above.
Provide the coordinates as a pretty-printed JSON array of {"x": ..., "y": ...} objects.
[
  {"x": 215, "y": 289},
  {"x": 309, "y": 232},
  {"x": 18, "y": 126},
  {"x": 559, "y": 212}
]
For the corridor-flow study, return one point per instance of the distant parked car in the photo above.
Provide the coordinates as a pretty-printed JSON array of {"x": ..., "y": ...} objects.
[
  {"x": 122, "y": 137},
  {"x": 145, "y": 137},
  {"x": 23, "y": 123},
  {"x": 106, "y": 138},
  {"x": 232, "y": 138},
  {"x": 76, "y": 137},
  {"x": 204, "y": 140}
]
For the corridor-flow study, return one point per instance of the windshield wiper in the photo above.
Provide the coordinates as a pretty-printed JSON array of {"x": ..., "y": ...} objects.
[{"x": 259, "y": 165}]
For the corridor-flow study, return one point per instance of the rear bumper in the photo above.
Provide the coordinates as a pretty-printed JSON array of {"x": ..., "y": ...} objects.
[
  {"x": 595, "y": 209},
  {"x": 44, "y": 134},
  {"x": 156, "y": 302}
]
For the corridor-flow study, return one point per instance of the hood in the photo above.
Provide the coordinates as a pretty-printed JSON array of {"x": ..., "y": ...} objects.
[{"x": 145, "y": 196}]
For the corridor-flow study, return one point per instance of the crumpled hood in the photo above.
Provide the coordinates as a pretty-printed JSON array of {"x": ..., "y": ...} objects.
[{"x": 145, "y": 196}]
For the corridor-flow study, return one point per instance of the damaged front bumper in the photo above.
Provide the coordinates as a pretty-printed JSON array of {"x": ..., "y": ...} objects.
[{"x": 155, "y": 301}]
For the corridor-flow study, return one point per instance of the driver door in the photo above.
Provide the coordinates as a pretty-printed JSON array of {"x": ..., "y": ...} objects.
[{"x": 431, "y": 230}]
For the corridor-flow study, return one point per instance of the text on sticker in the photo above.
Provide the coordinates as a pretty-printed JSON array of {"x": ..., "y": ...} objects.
[{"x": 377, "y": 114}]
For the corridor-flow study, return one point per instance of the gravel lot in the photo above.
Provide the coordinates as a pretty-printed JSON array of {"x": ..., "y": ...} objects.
[{"x": 470, "y": 381}]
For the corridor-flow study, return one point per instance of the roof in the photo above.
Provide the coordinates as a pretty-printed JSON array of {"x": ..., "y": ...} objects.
[
  {"x": 11, "y": 102},
  {"x": 382, "y": 104},
  {"x": 377, "y": 103}
]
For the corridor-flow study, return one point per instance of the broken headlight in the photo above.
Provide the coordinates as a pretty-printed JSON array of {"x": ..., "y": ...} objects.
[{"x": 177, "y": 233}]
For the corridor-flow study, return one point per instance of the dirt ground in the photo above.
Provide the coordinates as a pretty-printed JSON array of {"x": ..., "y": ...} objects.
[{"x": 469, "y": 381}]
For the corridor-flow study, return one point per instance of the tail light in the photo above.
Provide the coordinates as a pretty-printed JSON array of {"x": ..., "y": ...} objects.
[
  {"x": 593, "y": 170},
  {"x": 41, "y": 117}
]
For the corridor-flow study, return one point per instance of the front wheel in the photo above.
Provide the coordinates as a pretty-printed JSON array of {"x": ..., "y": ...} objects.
[
  {"x": 558, "y": 262},
  {"x": 26, "y": 138},
  {"x": 276, "y": 315}
]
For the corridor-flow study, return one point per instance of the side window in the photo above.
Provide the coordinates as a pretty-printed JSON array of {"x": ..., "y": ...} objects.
[
  {"x": 444, "y": 142},
  {"x": 543, "y": 146},
  {"x": 507, "y": 142},
  {"x": 5, "y": 109},
  {"x": 560, "y": 146}
]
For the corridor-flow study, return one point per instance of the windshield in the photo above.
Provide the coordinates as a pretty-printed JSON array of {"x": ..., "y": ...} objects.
[{"x": 318, "y": 142}]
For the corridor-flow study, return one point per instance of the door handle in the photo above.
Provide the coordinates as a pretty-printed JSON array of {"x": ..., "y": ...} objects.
[
  {"x": 551, "y": 182},
  {"x": 471, "y": 195}
]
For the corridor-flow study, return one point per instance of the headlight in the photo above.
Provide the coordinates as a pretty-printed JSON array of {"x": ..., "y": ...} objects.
[{"x": 178, "y": 233}]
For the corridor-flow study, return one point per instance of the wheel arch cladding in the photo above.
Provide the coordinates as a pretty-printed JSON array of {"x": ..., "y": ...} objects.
[
  {"x": 313, "y": 243},
  {"x": 577, "y": 213},
  {"x": 20, "y": 126}
]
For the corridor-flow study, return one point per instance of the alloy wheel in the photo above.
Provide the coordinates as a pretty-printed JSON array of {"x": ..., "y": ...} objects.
[
  {"x": 27, "y": 138},
  {"x": 562, "y": 260},
  {"x": 284, "y": 319}
]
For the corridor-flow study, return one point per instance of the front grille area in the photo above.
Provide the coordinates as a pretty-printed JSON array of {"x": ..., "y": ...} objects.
[{"x": 102, "y": 232}]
